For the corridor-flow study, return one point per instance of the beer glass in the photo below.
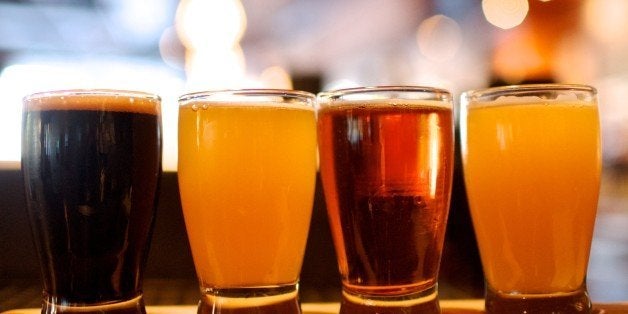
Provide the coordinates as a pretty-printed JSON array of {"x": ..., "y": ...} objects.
[
  {"x": 91, "y": 161},
  {"x": 386, "y": 159},
  {"x": 247, "y": 168},
  {"x": 531, "y": 156}
]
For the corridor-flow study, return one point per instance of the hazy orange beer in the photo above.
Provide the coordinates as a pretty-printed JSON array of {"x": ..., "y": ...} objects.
[
  {"x": 247, "y": 167},
  {"x": 386, "y": 166},
  {"x": 532, "y": 170}
]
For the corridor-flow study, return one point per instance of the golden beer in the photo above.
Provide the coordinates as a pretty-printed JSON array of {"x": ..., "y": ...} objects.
[
  {"x": 246, "y": 177},
  {"x": 532, "y": 171}
]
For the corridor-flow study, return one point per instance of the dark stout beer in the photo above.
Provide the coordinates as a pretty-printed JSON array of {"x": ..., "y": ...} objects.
[{"x": 91, "y": 168}]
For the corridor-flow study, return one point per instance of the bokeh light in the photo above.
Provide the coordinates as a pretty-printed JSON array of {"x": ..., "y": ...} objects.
[
  {"x": 276, "y": 77},
  {"x": 439, "y": 38},
  {"x": 210, "y": 68},
  {"x": 505, "y": 13},
  {"x": 606, "y": 20},
  {"x": 210, "y": 32},
  {"x": 202, "y": 23},
  {"x": 516, "y": 57}
]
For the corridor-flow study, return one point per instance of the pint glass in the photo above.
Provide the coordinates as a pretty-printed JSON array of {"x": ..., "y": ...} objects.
[
  {"x": 386, "y": 158},
  {"x": 91, "y": 161},
  {"x": 531, "y": 158},
  {"x": 247, "y": 169}
]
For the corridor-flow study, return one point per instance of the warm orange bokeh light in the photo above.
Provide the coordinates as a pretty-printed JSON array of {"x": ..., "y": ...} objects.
[{"x": 529, "y": 51}]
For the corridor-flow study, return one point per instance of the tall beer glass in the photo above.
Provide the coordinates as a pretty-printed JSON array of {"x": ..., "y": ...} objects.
[
  {"x": 386, "y": 166},
  {"x": 247, "y": 168},
  {"x": 91, "y": 161},
  {"x": 531, "y": 157}
]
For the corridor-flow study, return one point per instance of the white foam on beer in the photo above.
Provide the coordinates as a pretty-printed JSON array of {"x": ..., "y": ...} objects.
[
  {"x": 203, "y": 105},
  {"x": 389, "y": 102},
  {"x": 521, "y": 100},
  {"x": 560, "y": 97},
  {"x": 106, "y": 101}
]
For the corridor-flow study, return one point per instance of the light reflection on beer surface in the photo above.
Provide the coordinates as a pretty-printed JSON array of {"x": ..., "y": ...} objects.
[{"x": 434, "y": 157}]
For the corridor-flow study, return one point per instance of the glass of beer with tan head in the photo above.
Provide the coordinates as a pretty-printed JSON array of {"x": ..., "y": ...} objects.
[
  {"x": 247, "y": 169},
  {"x": 386, "y": 160},
  {"x": 91, "y": 161},
  {"x": 532, "y": 164}
]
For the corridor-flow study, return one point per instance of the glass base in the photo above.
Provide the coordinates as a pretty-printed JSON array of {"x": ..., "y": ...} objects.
[
  {"x": 560, "y": 303},
  {"x": 133, "y": 306},
  {"x": 422, "y": 302},
  {"x": 262, "y": 300}
]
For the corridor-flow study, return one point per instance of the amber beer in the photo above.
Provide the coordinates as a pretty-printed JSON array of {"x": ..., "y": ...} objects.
[
  {"x": 532, "y": 169},
  {"x": 386, "y": 163},
  {"x": 91, "y": 161},
  {"x": 247, "y": 167}
]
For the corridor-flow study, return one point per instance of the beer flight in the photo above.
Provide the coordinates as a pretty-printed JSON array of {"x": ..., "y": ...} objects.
[{"x": 248, "y": 159}]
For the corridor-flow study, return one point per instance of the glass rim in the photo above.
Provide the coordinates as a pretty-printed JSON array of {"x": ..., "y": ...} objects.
[
  {"x": 337, "y": 93},
  {"x": 525, "y": 89},
  {"x": 247, "y": 92},
  {"x": 92, "y": 92}
]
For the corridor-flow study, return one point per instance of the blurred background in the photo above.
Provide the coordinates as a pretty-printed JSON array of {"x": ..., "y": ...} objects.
[{"x": 171, "y": 47}]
